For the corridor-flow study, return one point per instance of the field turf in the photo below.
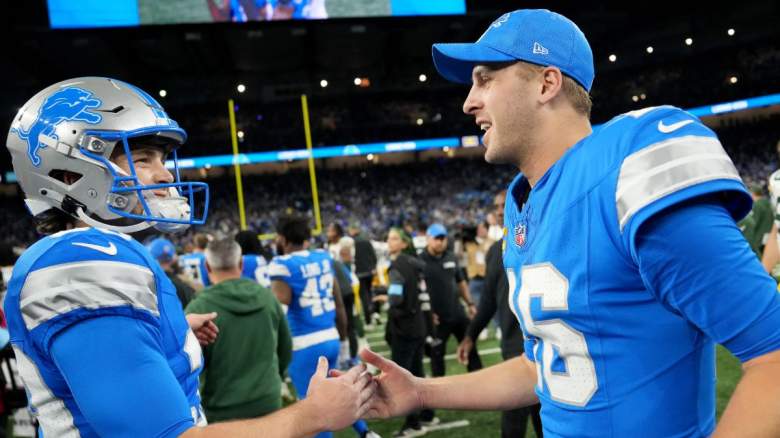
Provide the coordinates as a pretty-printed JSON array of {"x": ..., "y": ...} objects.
[{"x": 487, "y": 424}]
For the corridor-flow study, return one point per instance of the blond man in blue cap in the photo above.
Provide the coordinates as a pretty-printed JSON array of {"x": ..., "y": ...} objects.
[{"x": 621, "y": 254}]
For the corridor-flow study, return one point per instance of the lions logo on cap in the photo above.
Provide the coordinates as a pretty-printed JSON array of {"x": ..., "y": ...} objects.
[
  {"x": 500, "y": 20},
  {"x": 496, "y": 24}
]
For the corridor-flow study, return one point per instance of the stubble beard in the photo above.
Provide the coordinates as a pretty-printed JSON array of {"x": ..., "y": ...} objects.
[
  {"x": 515, "y": 150},
  {"x": 508, "y": 154}
]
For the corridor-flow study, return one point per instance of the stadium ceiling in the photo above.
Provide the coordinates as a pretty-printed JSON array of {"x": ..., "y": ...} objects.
[{"x": 205, "y": 61}]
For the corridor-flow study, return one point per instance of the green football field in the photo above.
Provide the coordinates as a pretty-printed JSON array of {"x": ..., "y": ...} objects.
[{"x": 487, "y": 424}]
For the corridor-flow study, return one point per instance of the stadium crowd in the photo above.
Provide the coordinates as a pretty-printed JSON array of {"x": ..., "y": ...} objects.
[{"x": 453, "y": 192}]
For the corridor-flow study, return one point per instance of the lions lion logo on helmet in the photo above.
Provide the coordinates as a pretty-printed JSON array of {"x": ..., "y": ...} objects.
[{"x": 67, "y": 104}]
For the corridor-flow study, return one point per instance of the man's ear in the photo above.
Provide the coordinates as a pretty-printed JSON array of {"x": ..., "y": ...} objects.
[{"x": 552, "y": 84}]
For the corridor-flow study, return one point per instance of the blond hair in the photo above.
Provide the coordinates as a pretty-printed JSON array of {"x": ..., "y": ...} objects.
[{"x": 575, "y": 93}]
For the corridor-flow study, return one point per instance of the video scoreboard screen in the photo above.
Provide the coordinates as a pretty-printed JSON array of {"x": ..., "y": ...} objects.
[{"x": 117, "y": 13}]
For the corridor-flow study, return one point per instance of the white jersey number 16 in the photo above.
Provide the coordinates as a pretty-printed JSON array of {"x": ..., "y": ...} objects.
[{"x": 577, "y": 384}]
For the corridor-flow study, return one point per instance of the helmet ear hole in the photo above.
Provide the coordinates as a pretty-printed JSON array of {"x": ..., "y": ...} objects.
[{"x": 65, "y": 176}]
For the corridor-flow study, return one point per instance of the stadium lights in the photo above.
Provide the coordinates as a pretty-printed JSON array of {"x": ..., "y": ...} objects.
[
  {"x": 446, "y": 148},
  {"x": 420, "y": 122},
  {"x": 423, "y": 78},
  {"x": 282, "y": 156},
  {"x": 688, "y": 41},
  {"x": 241, "y": 88},
  {"x": 324, "y": 83},
  {"x": 370, "y": 157},
  {"x": 731, "y": 32},
  {"x": 163, "y": 93},
  {"x": 240, "y": 134},
  {"x": 357, "y": 81},
  {"x": 642, "y": 96},
  {"x": 635, "y": 98},
  {"x": 733, "y": 79},
  {"x": 649, "y": 49},
  {"x": 612, "y": 58}
]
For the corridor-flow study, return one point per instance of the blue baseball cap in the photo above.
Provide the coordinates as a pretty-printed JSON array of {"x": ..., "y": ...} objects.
[
  {"x": 537, "y": 36},
  {"x": 436, "y": 230},
  {"x": 162, "y": 249}
]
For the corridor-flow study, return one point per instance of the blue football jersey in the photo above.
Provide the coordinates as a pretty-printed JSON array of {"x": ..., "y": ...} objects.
[
  {"x": 312, "y": 309},
  {"x": 85, "y": 275},
  {"x": 256, "y": 269},
  {"x": 613, "y": 359},
  {"x": 194, "y": 267}
]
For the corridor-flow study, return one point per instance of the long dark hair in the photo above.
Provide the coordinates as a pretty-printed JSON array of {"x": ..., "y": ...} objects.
[{"x": 53, "y": 221}]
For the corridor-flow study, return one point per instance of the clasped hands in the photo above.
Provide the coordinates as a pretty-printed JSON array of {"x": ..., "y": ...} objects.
[{"x": 350, "y": 395}]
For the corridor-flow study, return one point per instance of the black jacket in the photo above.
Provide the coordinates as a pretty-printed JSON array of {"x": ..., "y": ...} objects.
[
  {"x": 442, "y": 275},
  {"x": 495, "y": 298},
  {"x": 406, "y": 297},
  {"x": 365, "y": 257}
]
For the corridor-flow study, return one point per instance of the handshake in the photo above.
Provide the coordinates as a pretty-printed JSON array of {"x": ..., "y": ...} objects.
[{"x": 336, "y": 399}]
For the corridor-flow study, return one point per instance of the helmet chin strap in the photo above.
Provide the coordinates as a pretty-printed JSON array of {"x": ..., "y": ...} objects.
[{"x": 126, "y": 229}]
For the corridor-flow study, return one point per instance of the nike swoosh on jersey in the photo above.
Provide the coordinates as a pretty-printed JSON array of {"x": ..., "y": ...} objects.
[
  {"x": 673, "y": 127},
  {"x": 110, "y": 249}
]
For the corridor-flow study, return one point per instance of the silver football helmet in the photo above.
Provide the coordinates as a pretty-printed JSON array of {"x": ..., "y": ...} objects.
[{"x": 73, "y": 127}]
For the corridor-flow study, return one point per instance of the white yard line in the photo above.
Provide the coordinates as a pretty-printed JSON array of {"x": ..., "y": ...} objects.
[
  {"x": 448, "y": 425},
  {"x": 485, "y": 352}
]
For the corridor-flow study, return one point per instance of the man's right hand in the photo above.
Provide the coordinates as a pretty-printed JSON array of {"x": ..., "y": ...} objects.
[
  {"x": 464, "y": 349},
  {"x": 398, "y": 392},
  {"x": 339, "y": 401}
]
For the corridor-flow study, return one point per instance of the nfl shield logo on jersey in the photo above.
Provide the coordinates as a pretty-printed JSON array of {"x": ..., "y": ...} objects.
[{"x": 520, "y": 231}]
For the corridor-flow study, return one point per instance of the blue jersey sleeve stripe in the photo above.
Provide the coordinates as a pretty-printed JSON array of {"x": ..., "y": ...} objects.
[
  {"x": 732, "y": 195},
  {"x": 59, "y": 289},
  {"x": 278, "y": 270},
  {"x": 666, "y": 167}
]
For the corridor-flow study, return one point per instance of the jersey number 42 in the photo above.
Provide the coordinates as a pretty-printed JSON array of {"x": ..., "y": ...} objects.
[{"x": 318, "y": 294}]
